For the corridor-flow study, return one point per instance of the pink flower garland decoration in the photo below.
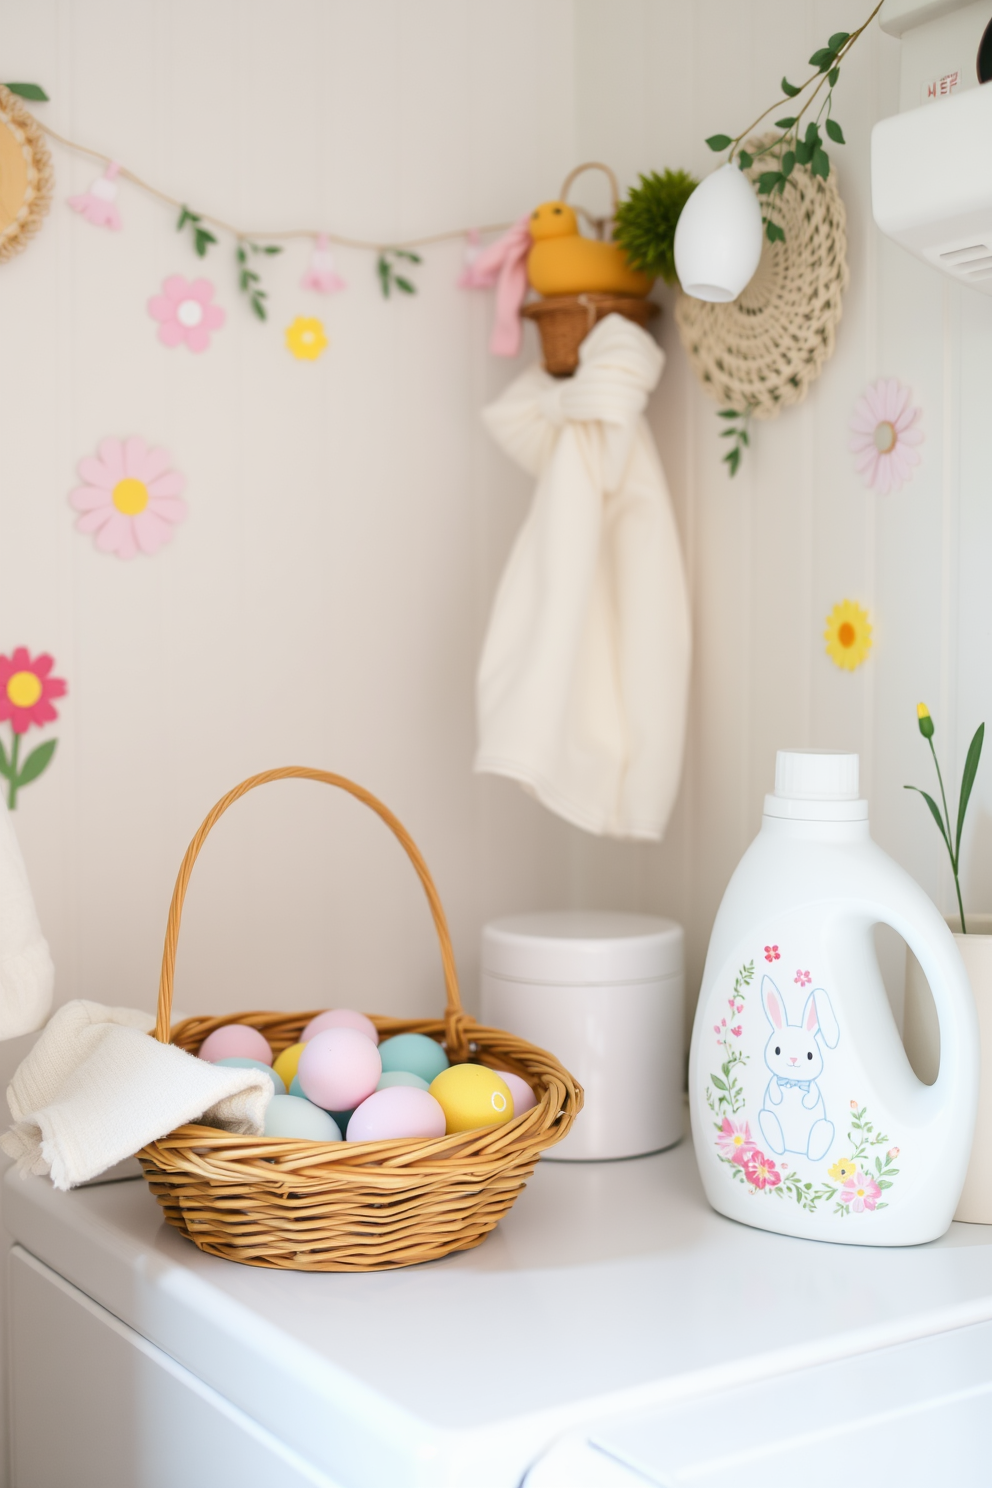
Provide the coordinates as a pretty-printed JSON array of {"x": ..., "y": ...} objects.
[
  {"x": 99, "y": 205},
  {"x": 131, "y": 499},
  {"x": 884, "y": 435},
  {"x": 322, "y": 275},
  {"x": 184, "y": 312}
]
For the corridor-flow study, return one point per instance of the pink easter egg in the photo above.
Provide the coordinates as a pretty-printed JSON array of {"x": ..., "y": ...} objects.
[
  {"x": 523, "y": 1096},
  {"x": 397, "y": 1111},
  {"x": 235, "y": 1041},
  {"x": 338, "y": 1069},
  {"x": 340, "y": 1018}
]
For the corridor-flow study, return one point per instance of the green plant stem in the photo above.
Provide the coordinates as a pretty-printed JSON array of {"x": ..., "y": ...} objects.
[
  {"x": 15, "y": 750},
  {"x": 950, "y": 850}
]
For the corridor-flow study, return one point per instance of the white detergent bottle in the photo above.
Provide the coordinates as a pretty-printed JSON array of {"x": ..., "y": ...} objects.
[{"x": 806, "y": 1115}]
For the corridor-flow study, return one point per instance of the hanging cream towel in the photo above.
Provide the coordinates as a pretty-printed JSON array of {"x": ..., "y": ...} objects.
[
  {"x": 583, "y": 683},
  {"x": 27, "y": 975},
  {"x": 95, "y": 1088}
]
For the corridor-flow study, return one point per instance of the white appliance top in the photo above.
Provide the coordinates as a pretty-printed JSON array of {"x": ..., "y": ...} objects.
[
  {"x": 581, "y": 947},
  {"x": 610, "y": 1290}
]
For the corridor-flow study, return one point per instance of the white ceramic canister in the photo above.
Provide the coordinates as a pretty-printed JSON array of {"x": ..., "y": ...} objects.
[
  {"x": 603, "y": 992},
  {"x": 806, "y": 1115}
]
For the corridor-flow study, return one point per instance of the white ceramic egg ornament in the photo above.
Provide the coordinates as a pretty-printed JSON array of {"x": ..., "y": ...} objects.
[{"x": 718, "y": 237}]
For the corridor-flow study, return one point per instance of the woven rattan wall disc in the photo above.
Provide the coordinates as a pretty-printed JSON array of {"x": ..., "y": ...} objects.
[
  {"x": 768, "y": 345},
  {"x": 25, "y": 175}
]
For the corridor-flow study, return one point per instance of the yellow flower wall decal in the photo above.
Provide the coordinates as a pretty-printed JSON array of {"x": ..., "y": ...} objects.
[
  {"x": 848, "y": 635},
  {"x": 305, "y": 338}
]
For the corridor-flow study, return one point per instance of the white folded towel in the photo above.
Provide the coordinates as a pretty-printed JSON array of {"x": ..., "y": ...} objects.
[
  {"x": 583, "y": 683},
  {"x": 95, "y": 1088},
  {"x": 27, "y": 975}
]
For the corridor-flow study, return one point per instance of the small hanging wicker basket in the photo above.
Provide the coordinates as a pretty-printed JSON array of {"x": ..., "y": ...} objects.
[
  {"x": 564, "y": 321},
  {"x": 350, "y": 1206}
]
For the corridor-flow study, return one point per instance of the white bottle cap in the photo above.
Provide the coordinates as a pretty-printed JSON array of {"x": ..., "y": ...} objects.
[{"x": 816, "y": 785}]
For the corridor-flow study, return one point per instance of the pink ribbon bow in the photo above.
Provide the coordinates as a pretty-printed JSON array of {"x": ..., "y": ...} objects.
[{"x": 503, "y": 263}]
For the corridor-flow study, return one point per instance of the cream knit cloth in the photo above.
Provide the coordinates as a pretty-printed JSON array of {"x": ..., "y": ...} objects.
[
  {"x": 583, "y": 683},
  {"x": 95, "y": 1088}
]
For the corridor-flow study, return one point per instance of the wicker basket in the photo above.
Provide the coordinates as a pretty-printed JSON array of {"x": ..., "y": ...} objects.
[
  {"x": 564, "y": 322},
  {"x": 350, "y": 1206}
]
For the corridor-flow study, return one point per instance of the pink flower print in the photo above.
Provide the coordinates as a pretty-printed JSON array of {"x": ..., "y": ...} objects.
[
  {"x": 737, "y": 1031},
  {"x": 760, "y": 1171},
  {"x": 803, "y": 978},
  {"x": 892, "y": 1153},
  {"x": 184, "y": 312},
  {"x": 861, "y": 1192},
  {"x": 716, "y": 1028},
  {"x": 730, "y": 1003},
  {"x": 734, "y": 1141},
  {"x": 739, "y": 1008},
  {"x": 854, "y": 1105},
  {"x": 130, "y": 499},
  {"x": 322, "y": 275},
  {"x": 99, "y": 204},
  {"x": 884, "y": 435},
  {"x": 772, "y": 953}
]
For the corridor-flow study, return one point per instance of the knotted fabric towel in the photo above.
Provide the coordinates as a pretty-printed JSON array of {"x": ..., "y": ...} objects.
[
  {"x": 95, "y": 1088},
  {"x": 583, "y": 683},
  {"x": 27, "y": 975}
]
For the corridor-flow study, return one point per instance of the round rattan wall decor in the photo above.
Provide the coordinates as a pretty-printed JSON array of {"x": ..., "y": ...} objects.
[
  {"x": 25, "y": 175},
  {"x": 765, "y": 348}
]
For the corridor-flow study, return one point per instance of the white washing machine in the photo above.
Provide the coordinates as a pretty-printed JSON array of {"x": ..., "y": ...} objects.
[{"x": 613, "y": 1332}]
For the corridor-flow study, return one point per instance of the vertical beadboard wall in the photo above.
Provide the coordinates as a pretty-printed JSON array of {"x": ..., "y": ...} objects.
[{"x": 772, "y": 551}]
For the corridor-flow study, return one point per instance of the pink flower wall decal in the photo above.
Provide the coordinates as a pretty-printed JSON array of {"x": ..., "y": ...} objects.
[
  {"x": 184, "y": 312},
  {"x": 99, "y": 204},
  {"x": 884, "y": 434},
  {"x": 131, "y": 498},
  {"x": 322, "y": 275},
  {"x": 27, "y": 688}
]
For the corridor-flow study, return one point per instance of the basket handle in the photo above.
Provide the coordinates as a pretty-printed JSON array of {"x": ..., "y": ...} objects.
[
  {"x": 454, "y": 1015},
  {"x": 599, "y": 223}
]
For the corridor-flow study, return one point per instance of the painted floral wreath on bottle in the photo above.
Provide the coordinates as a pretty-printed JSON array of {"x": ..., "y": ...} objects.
[{"x": 859, "y": 1180}]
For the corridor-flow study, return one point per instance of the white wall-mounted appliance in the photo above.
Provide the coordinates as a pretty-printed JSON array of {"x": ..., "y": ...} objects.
[{"x": 931, "y": 164}]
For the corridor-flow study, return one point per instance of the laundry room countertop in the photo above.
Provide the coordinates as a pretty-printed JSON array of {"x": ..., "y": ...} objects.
[{"x": 611, "y": 1290}]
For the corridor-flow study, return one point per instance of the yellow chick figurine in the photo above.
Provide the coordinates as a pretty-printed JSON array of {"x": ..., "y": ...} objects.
[{"x": 561, "y": 262}]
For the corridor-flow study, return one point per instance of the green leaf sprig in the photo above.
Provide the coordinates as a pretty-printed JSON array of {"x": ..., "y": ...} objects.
[
  {"x": 796, "y": 144},
  {"x": 249, "y": 282},
  {"x": 739, "y": 432},
  {"x": 202, "y": 237},
  {"x": 967, "y": 781},
  {"x": 33, "y": 92},
  {"x": 386, "y": 269},
  {"x": 645, "y": 222}
]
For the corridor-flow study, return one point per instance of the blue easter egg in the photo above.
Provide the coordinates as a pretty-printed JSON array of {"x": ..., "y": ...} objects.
[
  {"x": 237, "y": 1061},
  {"x": 413, "y": 1053}
]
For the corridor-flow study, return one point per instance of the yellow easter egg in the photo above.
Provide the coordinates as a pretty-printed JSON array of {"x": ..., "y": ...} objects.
[
  {"x": 285, "y": 1063},
  {"x": 471, "y": 1096}
]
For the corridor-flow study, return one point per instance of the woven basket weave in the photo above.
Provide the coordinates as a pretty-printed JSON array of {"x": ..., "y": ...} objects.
[{"x": 350, "y": 1206}]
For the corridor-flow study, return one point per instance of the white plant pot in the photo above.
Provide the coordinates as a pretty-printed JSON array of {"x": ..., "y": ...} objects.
[
  {"x": 922, "y": 1040},
  {"x": 718, "y": 237}
]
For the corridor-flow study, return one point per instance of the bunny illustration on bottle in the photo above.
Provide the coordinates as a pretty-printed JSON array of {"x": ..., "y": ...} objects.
[{"x": 793, "y": 1117}]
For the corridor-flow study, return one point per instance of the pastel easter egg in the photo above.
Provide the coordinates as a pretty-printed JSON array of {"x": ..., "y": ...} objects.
[
  {"x": 523, "y": 1096},
  {"x": 402, "y": 1077},
  {"x": 289, "y": 1116},
  {"x": 285, "y": 1064},
  {"x": 471, "y": 1096},
  {"x": 235, "y": 1041},
  {"x": 415, "y": 1053},
  {"x": 397, "y": 1111},
  {"x": 341, "y": 1018},
  {"x": 236, "y": 1062},
  {"x": 339, "y": 1068}
]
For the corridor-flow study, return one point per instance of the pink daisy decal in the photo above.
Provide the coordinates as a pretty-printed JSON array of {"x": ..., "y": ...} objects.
[
  {"x": 26, "y": 690},
  {"x": 184, "y": 312},
  {"x": 761, "y": 1172},
  {"x": 861, "y": 1192},
  {"x": 884, "y": 434},
  {"x": 131, "y": 498},
  {"x": 734, "y": 1141}
]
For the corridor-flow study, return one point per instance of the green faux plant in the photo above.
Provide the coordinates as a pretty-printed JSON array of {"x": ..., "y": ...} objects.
[
  {"x": 943, "y": 820},
  {"x": 644, "y": 225}
]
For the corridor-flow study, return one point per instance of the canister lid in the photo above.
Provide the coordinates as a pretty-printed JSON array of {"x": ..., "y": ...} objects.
[{"x": 581, "y": 947}]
